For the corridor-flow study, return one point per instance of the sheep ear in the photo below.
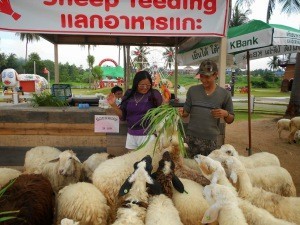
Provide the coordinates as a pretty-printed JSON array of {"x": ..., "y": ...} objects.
[
  {"x": 125, "y": 188},
  {"x": 54, "y": 160},
  {"x": 154, "y": 188},
  {"x": 211, "y": 214},
  {"x": 75, "y": 157},
  {"x": 177, "y": 184}
]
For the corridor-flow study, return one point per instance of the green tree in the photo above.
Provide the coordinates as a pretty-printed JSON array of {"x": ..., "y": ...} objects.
[
  {"x": 34, "y": 59},
  {"x": 169, "y": 57},
  {"x": 3, "y": 61},
  {"x": 12, "y": 61},
  {"x": 28, "y": 38},
  {"x": 90, "y": 61},
  {"x": 140, "y": 60},
  {"x": 97, "y": 75}
]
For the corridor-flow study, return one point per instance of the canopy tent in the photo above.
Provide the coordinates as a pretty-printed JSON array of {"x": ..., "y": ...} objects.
[
  {"x": 252, "y": 40},
  {"x": 261, "y": 39}
]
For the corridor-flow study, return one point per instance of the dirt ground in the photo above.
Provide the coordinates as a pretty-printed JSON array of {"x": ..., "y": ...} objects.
[{"x": 265, "y": 138}]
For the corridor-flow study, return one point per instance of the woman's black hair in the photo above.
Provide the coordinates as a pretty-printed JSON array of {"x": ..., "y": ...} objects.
[{"x": 141, "y": 75}]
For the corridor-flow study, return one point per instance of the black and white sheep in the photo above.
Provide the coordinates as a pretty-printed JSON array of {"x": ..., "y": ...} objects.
[
  {"x": 134, "y": 189},
  {"x": 161, "y": 209},
  {"x": 61, "y": 168},
  {"x": 82, "y": 202},
  {"x": 33, "y": 196}
]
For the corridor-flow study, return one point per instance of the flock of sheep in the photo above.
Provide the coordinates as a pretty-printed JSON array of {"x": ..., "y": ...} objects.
[
  {"x": 155, "y": 185},
  {"x": 291, "y": 125}
]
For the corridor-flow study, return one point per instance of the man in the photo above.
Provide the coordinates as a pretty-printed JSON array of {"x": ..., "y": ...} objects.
[{"x": 206, "y": 104}]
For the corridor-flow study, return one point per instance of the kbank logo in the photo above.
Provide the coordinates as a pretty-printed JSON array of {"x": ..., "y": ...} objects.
[{"x": 244, "y": 43}]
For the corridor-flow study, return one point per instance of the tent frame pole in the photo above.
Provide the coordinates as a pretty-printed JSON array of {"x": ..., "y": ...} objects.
[{"x": 249, "y": 149}]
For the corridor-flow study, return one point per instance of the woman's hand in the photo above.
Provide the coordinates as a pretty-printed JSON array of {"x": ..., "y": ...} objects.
[{"x": 111, "y": 99}]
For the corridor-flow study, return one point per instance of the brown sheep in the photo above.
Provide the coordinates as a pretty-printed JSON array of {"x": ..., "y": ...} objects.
[{"x": 33, "y": 196}]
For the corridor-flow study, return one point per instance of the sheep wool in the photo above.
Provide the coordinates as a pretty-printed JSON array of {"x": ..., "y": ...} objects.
[
  {"x": 82, "y": 202},
  {"x": 294, "y": 126},
  {"x": 33, "y": 196},
  {"x": 283, "y": 124}
]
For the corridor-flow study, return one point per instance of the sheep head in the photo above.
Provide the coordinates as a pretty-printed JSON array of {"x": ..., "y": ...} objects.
[
  {"x": 210, "y": 168},
  {"x": 66, "y": 163},
  {"x": 229, "y": 150}
]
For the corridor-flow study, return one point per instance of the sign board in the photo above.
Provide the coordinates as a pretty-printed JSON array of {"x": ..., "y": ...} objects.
[
  {"x": 116, "y": 17},
  {"x": 106, "y": 124}
]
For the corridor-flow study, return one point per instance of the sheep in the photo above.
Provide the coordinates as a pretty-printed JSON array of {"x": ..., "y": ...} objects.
[
  {"x": 259, "y": 216},
  {"x": 253, "y": 161},
  {"x": 67, "y": 221},
  {"x": 33, "y": 196},
  {"x": 254, "y": 215},
  {"x": 270, "y": 178},
  {"x": 111, "y": 174},
  {"x": 91, "y": 163},
  {"x": 223, "y": 206},
  {"x": 283, "y": 124},
  {"x": 61, "y": 168},
  {"x": 6, "y": 174},
  {"x": 294, "y": 126},
  {"x": 183, "y": 171},
  {"x": 161, "y": 209},
  {"x": 286, "y": 208},
  {"x": 82, "y": 202},
  {"x": 133, "y": 208},
  {"x": 191, "y": 205}
]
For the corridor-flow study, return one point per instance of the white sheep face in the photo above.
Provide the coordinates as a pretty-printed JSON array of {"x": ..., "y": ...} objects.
[
  {"x": 229, "y": 150},
  {"x": 67, "y": 163}
]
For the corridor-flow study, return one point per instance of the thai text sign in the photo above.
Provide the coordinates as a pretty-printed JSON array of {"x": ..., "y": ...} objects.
[
  {"x": 116, "y": 17},
  {"x": 106, "y": 124}
]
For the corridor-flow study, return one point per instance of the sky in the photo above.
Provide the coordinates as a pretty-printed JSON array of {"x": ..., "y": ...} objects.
[{"x": 75, "y": 54}]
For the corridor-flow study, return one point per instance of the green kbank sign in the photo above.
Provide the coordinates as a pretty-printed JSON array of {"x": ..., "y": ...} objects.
[{"x": 259, "y": 38}]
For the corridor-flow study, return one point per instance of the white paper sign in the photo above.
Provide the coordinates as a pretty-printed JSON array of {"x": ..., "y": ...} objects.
[{"x": 106, "y": 124}]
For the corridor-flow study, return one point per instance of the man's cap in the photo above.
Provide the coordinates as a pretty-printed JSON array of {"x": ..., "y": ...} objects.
[{"x": 208, "y": 68}]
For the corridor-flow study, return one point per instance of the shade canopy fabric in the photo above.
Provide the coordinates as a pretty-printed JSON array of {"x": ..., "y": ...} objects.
[
  {"x": 257, "y": 37},
  {"x": 115, "y": 72}
]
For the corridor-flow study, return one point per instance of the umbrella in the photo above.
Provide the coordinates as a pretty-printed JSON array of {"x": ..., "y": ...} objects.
[{"x": 252, "y": 40}]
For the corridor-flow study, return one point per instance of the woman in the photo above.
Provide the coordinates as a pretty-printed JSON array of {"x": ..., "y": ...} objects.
[{"x": 135, "y": 104}]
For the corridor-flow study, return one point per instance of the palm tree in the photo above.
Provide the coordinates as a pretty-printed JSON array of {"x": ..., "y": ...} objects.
[
  {"x": 288, "y": 6},
  {"x": 90, "y": 61},
  {"x": 140, "y": 60},
  {"x": 29, "y": 38},
  {"x": 169, "y": 56},
  {"x": 238, "y": 17}
]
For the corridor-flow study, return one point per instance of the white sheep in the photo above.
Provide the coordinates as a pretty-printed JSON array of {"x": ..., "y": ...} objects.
[
  {"x": 223, "y": 206},
  {"x": 253, "y": 214},
  {"x": 283, "y": 124},
  {"x": 294, "y": 126},
  {"x": 286, "y": 208},
  {"x": 61, "y": 168},
  {"x": 133, "y": 208},
  {"x": 252, "y": 161},
  {"x": 270, "y": 178},
  {"x": 161, "y": 210},
  {"x": 92, "y": 162},
  {"x": 6, "y": 174},
  {"x": 191, "y": 205},
  {"x": 82, "y": 202}
]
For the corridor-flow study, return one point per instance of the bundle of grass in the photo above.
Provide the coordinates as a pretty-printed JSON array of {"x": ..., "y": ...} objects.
[{"x": 165, "y": 123}]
